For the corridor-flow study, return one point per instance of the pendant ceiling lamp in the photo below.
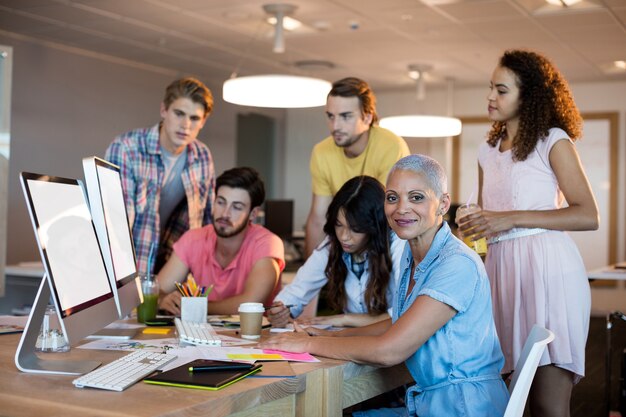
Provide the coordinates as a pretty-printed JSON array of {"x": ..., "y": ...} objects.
[
  {"x": 421, "y": 126},
  {"x": 276, "y": 90},
  {"x": 563, "y": 3}
]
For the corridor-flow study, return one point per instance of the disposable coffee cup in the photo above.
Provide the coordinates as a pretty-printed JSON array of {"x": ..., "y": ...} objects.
[{"x": 251, "y": 319}]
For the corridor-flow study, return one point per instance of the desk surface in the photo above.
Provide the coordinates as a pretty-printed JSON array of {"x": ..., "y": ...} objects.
[
  {"x": 608, "y": 272},
  {"x": 319, "y": 389},
  {"x": 32, "y": 394},
  {"x": 25, "y": 269}
]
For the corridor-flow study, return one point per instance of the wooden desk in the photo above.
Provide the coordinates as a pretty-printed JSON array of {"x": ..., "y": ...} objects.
[
  {"x": 359, "y": 383},
  {"x": 609, "y": 273},
  {"x": 319, "y": 390},
  {"x": 23, "y": 394}
]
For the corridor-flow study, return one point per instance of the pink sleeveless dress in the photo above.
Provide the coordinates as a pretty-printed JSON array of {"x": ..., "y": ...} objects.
[{"x": 536, "y": 279}]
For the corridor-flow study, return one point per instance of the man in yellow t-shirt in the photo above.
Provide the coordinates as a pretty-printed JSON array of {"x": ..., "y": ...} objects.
[{"x": 356, "y": 146}]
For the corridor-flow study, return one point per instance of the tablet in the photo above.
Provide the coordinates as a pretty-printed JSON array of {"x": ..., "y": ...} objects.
[{"x": 208, "y": 380}]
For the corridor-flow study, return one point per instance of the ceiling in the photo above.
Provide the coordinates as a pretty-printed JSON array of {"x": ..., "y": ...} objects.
[{"x": 376, "y": 40}]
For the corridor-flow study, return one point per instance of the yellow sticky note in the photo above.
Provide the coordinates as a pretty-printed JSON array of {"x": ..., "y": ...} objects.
[
  {"x": 156, "y": 330},
  {"x": 254, "y": 356}
]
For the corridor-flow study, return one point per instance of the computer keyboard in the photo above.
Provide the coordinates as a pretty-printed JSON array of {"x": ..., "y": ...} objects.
[
  {"x": 125, "y": 371},
  {"x": 197, "y": 333}
]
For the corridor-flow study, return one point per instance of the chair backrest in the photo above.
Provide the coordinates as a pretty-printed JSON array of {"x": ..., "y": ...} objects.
[{"x": 525, "y": 369}]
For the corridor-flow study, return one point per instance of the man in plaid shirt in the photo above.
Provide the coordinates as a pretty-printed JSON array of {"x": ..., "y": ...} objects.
[{"x": 167, "y": 174}]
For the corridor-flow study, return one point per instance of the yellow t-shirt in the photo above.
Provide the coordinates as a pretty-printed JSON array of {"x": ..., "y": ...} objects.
[{"x": 330, "y": 168}]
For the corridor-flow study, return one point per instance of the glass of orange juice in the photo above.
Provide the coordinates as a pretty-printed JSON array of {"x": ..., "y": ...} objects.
[{"x": 480, "y": 245}]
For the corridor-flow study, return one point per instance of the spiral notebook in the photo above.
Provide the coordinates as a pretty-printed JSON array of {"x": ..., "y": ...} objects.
[{"x": 208, "y": 379}]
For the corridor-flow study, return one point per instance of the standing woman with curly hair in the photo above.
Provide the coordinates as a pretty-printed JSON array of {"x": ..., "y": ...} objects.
[{"x": 533, "y": 188}]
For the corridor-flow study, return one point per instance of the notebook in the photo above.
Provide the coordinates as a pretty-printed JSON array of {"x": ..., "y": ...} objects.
[{"x": 207, "y": 379}]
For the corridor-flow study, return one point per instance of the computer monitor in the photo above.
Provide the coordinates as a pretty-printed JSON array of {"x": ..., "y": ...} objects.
[
  {"x": 108, "y": 211},
  {"x": 75, "y": 273},
  {"x": 279, "y": 217}
]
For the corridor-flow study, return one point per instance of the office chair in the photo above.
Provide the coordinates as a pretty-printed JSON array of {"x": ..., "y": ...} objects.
[{"x": 525, "y": 369}]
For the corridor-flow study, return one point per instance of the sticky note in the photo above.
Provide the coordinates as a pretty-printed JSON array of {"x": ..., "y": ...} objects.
[{"x": 156, "y": 330}]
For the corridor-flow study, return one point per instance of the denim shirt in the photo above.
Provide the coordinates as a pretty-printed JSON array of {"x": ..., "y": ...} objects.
[{"x": 457, "y": 370}]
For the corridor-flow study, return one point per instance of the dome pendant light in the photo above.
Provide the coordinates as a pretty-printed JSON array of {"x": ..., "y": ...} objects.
[
  {"x": 421, "y": 126},
  {"x": 276, "y": 90}
]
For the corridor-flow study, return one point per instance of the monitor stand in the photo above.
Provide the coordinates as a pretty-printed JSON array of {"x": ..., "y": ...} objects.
[{"x": 26, "y": 358}]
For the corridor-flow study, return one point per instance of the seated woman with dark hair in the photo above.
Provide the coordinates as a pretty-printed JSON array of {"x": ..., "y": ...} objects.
[{"x": 354, "y": 261}]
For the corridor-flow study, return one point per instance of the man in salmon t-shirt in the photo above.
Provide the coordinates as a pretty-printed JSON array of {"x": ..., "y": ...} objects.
[{"x": 241, "y": 260}]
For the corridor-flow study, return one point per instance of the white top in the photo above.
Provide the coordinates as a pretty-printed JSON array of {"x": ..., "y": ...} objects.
[{"x": 310, "y": 278}]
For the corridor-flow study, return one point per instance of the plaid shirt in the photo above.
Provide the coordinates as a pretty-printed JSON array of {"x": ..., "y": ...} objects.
[{"x": 138, "y": 154}]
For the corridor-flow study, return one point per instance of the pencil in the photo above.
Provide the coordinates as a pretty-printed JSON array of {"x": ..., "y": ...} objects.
[
  {"x": 180, "y": 289},
  {"x": 286, "y": 306}
]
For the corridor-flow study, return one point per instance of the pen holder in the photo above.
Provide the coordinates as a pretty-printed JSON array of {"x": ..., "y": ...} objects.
[{"x": 193, "y": 309}]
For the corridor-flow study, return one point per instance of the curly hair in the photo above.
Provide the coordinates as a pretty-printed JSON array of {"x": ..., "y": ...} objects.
[
  {"x": 361, "y": 199},
  {"x": 545, "y": 101}
]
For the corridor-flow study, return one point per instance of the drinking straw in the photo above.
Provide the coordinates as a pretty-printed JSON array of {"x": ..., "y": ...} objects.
[{"x": 150, "y": 256}]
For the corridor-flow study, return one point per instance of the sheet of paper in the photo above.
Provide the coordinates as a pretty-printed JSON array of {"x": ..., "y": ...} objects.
[
  {"x": 123, "y": 325},
  {"x": 228, "y": 341},
  {"x": 189, "y": 353},
  {"x": 271, "y": 355},
  {"x": 289, "y": 327},
  {"x": 12, "y": 324},
  {"x": 155, "y": 345}
]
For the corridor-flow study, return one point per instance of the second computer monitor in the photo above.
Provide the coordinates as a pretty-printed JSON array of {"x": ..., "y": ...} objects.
[{"x": 106, "y": 199}]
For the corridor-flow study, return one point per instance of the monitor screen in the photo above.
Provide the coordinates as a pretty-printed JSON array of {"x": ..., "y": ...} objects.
[
  {"x": 76, "y": 275},
  {"x": 116, "y": 220},
  {"x": 108, "y": 209},
  {"x": 67, "y": 241}
]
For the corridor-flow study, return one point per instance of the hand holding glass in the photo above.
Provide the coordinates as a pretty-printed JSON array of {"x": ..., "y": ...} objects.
[{"x": 480, "y": 245}]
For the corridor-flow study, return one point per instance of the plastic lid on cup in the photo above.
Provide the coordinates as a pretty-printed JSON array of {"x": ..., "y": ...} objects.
[{"x": 251, "y": 308}]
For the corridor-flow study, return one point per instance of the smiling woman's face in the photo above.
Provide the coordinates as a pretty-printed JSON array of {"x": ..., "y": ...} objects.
[{"x": 411, "y": 206}]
